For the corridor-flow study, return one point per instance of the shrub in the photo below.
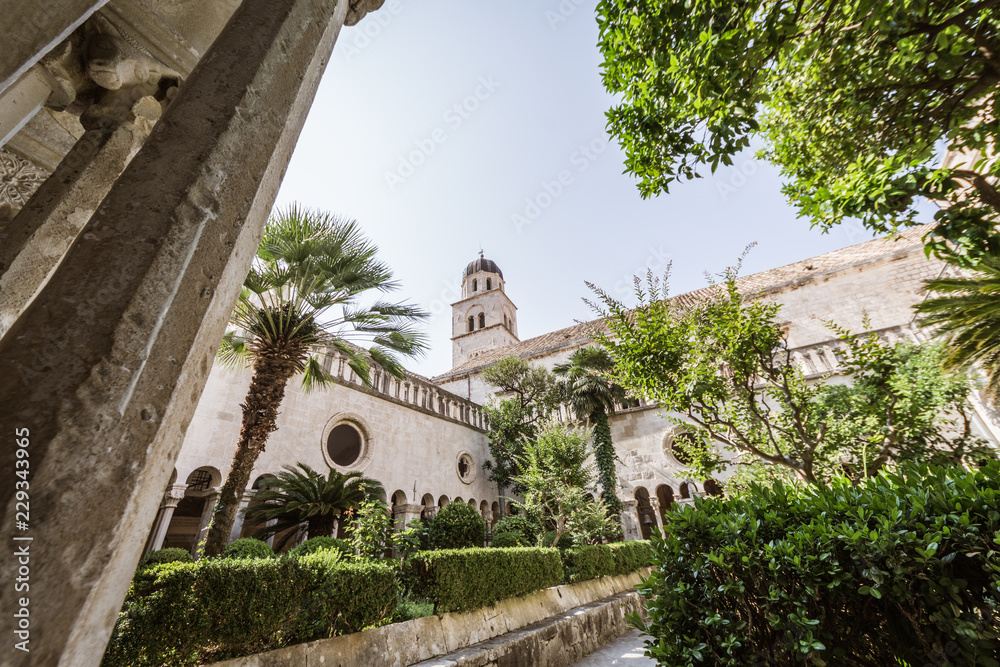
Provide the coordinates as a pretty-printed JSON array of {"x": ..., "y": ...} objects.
[
  {"x": 409, "y": 609},
  {"x": 518, "y": 523},
  {"x": 414, "y": 537},
  {"x": 587, "y": 562},
  {"x": 600, "y": 560},
  {"x": 171, "y": 555},
  {"x": 630, "y": 556},
  {"x": 314, "y": 544},
  {"x": 508, "y": 539},
  {"x": 464, "y": 579},
  {"x": 247, "y": 547},
  {"x": 188, "y": 613},
  {"x": 457, "y": 526},
  {"x": 896, "y": 570},
  {"x": 566, "y": 541}
]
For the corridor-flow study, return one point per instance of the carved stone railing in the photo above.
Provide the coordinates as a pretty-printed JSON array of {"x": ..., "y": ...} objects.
[
  {"x": 827, "y": 357},
  {"x": 413, "y": 391}
]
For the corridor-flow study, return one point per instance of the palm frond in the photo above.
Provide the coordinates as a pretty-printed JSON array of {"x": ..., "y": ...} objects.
[
  {"x": 315, "y": 375},
  {"x": 233, "y": 351},
  {"x": 967, "y": 318}
]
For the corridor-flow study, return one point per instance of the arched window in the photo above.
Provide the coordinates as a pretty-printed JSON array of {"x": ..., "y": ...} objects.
[
  {"x": 489, "y": 284},
  {"x": 482, "y": 320},
  {"x": 713, "y": 488},
  {"x": 472, "y": 323},
  {"x": 665, "y": 495},
  {"x": 474, "y": 282}
]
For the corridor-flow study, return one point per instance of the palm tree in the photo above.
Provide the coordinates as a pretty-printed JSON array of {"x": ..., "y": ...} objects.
[
  {"x": 299, "y": 300},
  {"x": 593, "y": 396},
  {"x": 967, "y": 316},
  {"x": 304, "y": 496}
]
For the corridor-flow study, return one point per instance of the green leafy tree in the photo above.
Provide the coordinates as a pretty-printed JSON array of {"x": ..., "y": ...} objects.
[
  {"x": 722, "y": 364},
  {"x": 851, "y": 99},
  {"x": 556, "y": 476},
  {"x": 525, "y": 397},
  {"x": 413, "y": 538},
  {"x": 965, "y": 313},
  {"x": 593, "y": 396},
  {"x": 300, "y": 495},
  {"x": 371, "y": 529},
  {"x": 300, "y": 299}
]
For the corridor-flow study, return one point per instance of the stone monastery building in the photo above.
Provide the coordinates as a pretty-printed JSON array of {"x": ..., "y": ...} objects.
[
  {"x": 142, "y": 144},
  {"x": 424, "y": 439}
]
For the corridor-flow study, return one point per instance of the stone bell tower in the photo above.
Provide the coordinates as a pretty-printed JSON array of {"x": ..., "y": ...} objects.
[{"x": 484, "y": 318}]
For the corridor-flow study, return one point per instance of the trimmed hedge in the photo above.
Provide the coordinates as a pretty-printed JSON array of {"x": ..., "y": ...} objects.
[
  {"x": 457, "y": 526},
  {"x": 189, "y": 613},
  {"x": 508, "y": 539},
  {"x": 901, "y": 569},
  {"x": 600, "y": 560},
  {"x": 170, "y": 555},
  {"x": 247, "y": 547},
  {"x": 465, "y": 579},
  {"x": 630, "y": 556},
  {"x": 314, "y": 544}
]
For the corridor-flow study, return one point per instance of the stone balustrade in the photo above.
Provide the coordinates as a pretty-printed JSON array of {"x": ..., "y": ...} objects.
[
  {"x": 827, "y": 357},
  {"x": 414, "y": 391}
]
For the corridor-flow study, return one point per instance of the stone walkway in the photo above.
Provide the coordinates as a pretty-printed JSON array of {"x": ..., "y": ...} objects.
[{"x": 625, "y": 651}]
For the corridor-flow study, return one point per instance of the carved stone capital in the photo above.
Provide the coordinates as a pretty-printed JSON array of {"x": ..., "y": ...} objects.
[
  {"x": 361, "y": 8},
  {"x": 174, "y": 494},
  {"x": 114, "y": 59}
]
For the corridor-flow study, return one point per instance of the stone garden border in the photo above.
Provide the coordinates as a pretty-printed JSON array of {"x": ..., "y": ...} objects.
[{"x": 421, "y": 639}]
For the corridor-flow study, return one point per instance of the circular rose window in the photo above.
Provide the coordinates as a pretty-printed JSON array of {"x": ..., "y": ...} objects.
[
  {"x": 674, "y": 448},
  {"x": 466, "y": 467},
  {"x": 344, "y": 445}
]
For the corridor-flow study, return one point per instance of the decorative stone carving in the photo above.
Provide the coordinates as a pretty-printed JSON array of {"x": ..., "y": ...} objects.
[
  {"x": 18, "y": 181},
  {"x": 359, "y": 9},
  {"x": 64, "y": 68},
  {"x": 114, "y": 59}
]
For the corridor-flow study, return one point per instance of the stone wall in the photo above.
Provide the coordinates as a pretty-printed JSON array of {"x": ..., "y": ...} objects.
[
  {"x": 414, "y": 434},
  {"x": 428, "y": 638}
]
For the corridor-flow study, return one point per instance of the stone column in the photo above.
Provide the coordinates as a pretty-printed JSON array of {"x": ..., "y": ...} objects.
[
  {"x": 105, "y": 367},
  {"x": 234, "y": 534},
  {"x": 211, "y": 498},
  {"x": 40, "y": 234},
  {"x": 173, "y": 496},
  {"x": 630, "y": 521},
  {"x": 404, "y": 514},
  {"x": 655, "y": 504},
  {"x": 32, "y": 29}
]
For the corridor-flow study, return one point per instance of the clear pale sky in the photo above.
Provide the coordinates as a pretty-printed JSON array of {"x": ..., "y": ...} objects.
[{"x": 437, "y": 123}]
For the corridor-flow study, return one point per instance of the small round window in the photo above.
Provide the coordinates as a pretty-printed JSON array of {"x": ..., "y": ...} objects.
[
  {"x": 675, "y": 448},
  {"x": 466, "y": 467},
  {"x": 344, "y": 445}
]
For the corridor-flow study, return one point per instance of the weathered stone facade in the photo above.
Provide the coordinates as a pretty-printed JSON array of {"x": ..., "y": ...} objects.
[
  {"x": 877, "y": 281},
  {"x": 416, "y": 440}
]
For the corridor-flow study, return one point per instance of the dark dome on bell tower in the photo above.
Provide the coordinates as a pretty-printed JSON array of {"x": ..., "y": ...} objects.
[{"x": 482, "y": 264}]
